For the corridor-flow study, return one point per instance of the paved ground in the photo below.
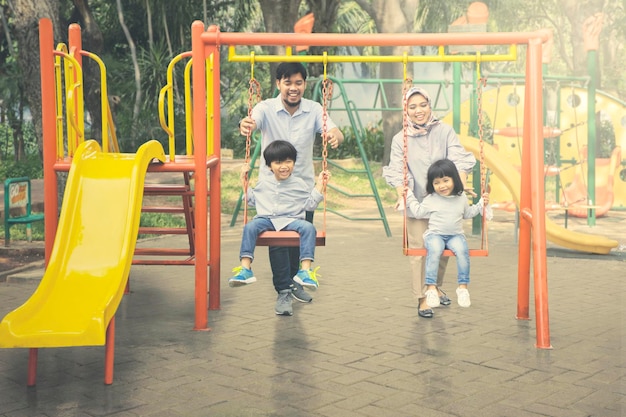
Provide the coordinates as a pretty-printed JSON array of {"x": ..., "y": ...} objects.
[{"x": 359, "y": 349}]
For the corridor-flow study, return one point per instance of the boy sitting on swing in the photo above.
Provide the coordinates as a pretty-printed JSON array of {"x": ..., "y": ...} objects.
[{"x": 281, "y": 202}]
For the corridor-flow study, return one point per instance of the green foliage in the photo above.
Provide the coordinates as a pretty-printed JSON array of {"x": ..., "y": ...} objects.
[
  {"x": 31, "y": 167},
  {"x": 19, "y": 231},
  {"x": 370, "y": 139},
  {"x": 159, "y": 220},
  {"x": 605, "y": 139},
  {"x": 8, "y": 137}
]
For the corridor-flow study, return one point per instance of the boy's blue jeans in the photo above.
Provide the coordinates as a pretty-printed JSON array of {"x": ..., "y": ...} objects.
[
  {"x": 435, "y": 245},
  {"x": 256, "y": 226}
]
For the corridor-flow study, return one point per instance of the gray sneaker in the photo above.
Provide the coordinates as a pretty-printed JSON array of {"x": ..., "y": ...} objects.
[
  {"x": 300, "y": 295},
  {"x": 283, "y": 303}
]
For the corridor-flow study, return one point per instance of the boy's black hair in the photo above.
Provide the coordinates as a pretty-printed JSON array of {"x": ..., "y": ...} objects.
[
  {"x": 287, "y": 69},
  {"x": 444, "y": 168},
  {"x": 278, "y": 151}
]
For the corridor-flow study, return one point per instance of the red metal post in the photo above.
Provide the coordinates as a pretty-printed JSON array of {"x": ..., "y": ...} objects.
[
  {"x": 377, "y": 39},
  {"x": 200, "y": 177},
  {"x": 32, "y": 367},
  {"x": 525, "y": 223},
  {"x": 48, "y": 125},
  {"x": 215, "y": 195},
  {"x": 109, "y": 352},
  {"x": 535, "y": 98}
]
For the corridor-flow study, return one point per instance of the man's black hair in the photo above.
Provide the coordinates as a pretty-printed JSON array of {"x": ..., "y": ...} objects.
[
  {"x": 278, "y": 151},
  {"x": 287, "y": 69}
]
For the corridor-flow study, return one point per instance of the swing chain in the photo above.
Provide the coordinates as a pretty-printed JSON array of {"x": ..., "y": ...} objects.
[
  {"x": 327, "y": 94},
  {"x": 254, "y": 96},
  {"x": 482, "y": 82},
  {"x": 406, "y": 86}
]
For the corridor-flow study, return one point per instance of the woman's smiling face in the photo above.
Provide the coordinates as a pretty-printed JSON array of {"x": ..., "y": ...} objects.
[{"x": 418, "y": 109}]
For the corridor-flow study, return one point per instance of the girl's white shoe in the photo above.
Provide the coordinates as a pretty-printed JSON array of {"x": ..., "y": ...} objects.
[{"x": 463, "y": 297}]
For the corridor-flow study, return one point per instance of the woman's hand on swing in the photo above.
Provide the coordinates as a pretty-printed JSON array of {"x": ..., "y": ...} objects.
[
  {"x": 400, "y": 202},
  {"x": 468, "y": 190},
  {"x": 243, "y": 175},
  {"x": 247, "y": 126}
]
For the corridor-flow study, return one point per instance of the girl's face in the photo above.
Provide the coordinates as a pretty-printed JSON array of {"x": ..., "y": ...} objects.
[
  {"x": 418, "y": 109},
  {"x": 282, "y": 169},
  {"x": 443, "y": 186}
]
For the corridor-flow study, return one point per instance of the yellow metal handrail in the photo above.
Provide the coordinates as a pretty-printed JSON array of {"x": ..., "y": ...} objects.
[{"x": 441, "y": 56}]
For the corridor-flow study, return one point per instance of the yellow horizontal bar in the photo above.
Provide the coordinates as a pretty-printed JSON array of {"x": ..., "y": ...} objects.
[{"x": 440, "y": 57}]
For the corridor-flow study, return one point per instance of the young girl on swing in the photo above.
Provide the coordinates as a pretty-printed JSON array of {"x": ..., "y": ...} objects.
[{"x": 445, "y": 206}]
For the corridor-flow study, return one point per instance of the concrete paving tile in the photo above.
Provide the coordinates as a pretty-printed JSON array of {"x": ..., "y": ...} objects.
[{"x": 358, "y": 349}]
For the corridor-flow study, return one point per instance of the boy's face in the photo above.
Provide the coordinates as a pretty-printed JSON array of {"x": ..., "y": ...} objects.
[
  {"x": 291, "y": 90},
  {"x": 282, "y": 169}
]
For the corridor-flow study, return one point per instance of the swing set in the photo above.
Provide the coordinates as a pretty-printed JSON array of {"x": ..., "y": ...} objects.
[
  {"x": 484, "y": 250},
  {"x": 206, "y": 58},
  {"x": 286, "y": 237}
]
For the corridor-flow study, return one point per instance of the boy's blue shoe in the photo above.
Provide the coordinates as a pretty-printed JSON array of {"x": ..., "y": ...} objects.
[
  {"x": 243, "y": 276},
  {"x": 307, "y": 278}
]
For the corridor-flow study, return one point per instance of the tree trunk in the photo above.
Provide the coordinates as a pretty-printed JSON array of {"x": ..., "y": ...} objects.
[
  {"x": 133, "y": 54},
  {"x": 26, "y": 23},
  {"x": 325, "y": 12},
  {"x": 392, "y": 16},
  {"x": 576, "y": 12},
  {"x": 279, "y": 17}
]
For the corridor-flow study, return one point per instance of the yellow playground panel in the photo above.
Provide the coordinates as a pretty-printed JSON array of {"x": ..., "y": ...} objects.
[
  {"x": 504, "y": 107},
  {"x": 573, "y": 142}
]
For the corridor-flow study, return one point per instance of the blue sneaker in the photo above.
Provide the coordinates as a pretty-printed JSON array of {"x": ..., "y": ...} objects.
[
  {"x": 307, "y": 279},
  {"x": 243, "y": 276}
]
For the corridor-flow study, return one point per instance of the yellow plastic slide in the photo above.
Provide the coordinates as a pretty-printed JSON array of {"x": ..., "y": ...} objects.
[
  {"x": 92, "y": 252},
  {"x": 561, "y": 236}
]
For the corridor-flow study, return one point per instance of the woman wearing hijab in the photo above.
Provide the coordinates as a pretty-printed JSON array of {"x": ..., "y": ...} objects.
[{"x": 429, "y": 140}]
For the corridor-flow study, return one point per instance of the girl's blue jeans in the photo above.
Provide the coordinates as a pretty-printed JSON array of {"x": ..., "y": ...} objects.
[
  {"x": 256, "y": 226},
  {"x": 435, "y": 245}
]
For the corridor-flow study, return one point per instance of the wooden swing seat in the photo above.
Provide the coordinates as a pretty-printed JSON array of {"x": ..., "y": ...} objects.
[
  {"x": 447, "y": 252},
  {"x": 287, "y": 238}
]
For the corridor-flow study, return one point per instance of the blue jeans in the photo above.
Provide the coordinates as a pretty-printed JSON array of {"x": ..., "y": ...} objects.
[
  {"x": 256, "y": 226},
  {"x": 285, "y": 262},
  {"x": 435, "y": 245}
]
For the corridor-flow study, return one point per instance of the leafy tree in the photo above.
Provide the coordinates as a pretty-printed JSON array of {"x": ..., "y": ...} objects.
[
  {"x": 396, "y": 16},
  {"x": 25, "y": 17}
]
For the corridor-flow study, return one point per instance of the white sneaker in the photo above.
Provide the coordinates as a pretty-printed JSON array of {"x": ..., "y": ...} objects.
[
  {"x": 463, "y": 297},
  {"x": 432, "y": 298}
]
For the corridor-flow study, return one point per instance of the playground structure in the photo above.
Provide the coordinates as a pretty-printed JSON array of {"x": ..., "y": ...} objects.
[
  {"x": 532, "y": 205},
  {"x": 566, "y": 142},
  {"x": 86, "y": 277},
  {"x": 70, "y": 251},
  {"x": 90, "y": 248},
  {"x": 566, "y": 174}
]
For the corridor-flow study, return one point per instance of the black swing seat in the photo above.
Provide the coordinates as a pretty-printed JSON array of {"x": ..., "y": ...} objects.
[{"x": 287, "y": 238}]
